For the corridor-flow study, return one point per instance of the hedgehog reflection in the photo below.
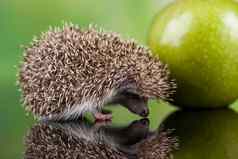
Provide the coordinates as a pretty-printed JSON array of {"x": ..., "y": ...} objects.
[
  {"x": 84, "y": 140},
  {"x": 160, "y": 145},
  {"x": 94, "y": 141}
]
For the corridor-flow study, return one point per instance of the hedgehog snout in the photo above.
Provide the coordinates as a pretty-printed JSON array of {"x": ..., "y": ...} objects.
[{"x": 136, "y": 104}]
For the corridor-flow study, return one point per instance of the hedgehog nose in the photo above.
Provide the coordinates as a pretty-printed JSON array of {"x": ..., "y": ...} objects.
[{"x": 145, "y": 112}]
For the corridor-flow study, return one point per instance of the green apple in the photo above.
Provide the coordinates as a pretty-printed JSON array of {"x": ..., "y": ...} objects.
[
  {"x": 198, "y": 39},
  {"x": 205, "y": 134}
]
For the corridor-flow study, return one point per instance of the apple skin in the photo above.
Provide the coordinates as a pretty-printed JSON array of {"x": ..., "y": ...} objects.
[
  {"x": 198, "y": 39},
  {"x": 204, "y": 134}
]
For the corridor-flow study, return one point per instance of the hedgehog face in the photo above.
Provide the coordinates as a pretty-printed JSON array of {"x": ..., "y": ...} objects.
[
  {"x": 132, "y": 101},
  {"x": 135, "y": 103}
]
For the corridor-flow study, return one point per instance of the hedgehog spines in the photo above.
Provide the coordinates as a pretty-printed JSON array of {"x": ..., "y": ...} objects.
[{"x": 67, "y": 67}]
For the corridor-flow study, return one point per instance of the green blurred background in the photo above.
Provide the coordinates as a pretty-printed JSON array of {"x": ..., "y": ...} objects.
[{"x": 20, "y": 20}]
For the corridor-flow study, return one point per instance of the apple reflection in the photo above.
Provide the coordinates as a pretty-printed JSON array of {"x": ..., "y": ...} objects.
[{"x": 205, "y": 134}]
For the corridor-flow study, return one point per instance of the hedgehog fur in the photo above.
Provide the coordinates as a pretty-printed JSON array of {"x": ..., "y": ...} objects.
[{"x": 69, "y": 71}]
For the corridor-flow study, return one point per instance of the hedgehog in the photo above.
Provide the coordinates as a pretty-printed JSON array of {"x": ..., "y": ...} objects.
[
  {"x": 69, "y": 71},
  {"x": 83, "y": 140}
]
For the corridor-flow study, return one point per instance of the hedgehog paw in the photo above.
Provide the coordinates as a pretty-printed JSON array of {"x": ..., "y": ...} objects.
[{"x": 102, "y": 117}]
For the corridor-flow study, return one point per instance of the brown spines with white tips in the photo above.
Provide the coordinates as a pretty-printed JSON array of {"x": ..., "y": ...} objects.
[{"x": 69, "y": 66}]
